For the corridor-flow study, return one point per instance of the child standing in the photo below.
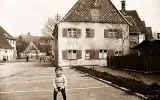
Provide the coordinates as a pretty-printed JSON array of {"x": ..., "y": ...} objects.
[{"x": 59, "y": 84}]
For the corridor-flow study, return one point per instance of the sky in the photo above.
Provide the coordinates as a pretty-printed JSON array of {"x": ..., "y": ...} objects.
[{"x": 23, "y": 16}]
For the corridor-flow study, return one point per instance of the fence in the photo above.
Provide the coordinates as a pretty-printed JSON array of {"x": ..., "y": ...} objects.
[{"x": 135, "y": 62}]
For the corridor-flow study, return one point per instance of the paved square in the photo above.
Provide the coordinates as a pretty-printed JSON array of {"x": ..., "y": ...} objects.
[{"x": 36, "y": 84}]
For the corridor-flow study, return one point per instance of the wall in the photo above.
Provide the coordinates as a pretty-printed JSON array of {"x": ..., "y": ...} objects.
[
  {"x": 9, "y": 53},
  {"x": 13, "y": 44},
  {"x": 98, "y": 42}
]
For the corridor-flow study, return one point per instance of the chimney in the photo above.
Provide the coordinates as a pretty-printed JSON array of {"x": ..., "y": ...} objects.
[{"x": 123, "y": 4}]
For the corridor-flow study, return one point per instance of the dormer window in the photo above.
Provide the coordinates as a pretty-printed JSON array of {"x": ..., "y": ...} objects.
[{"x": 95, "y": 14}]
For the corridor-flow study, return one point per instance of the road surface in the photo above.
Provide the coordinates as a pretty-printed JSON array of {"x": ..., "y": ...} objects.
[{"x": 32, "y": 81}]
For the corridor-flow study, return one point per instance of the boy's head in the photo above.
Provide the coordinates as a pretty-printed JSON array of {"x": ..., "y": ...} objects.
[{"x": 58, "y": 71}]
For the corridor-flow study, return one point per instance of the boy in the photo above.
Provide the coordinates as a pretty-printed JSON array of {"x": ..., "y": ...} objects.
[{"x": 59, "y": 84}]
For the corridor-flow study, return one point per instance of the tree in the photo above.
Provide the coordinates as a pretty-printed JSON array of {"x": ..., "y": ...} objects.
[
  {"x": 20, "y": 46},
  {"x": 48, "y": 29}
]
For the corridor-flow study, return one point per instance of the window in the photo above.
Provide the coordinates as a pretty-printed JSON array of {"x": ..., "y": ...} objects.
[
  {"x": 89, "y": 33},
  {"x": 102, "y": 54},
  {"x": 72, "y": 54},
  {"x": 118, "y": 53},
  {"x": 72, "y": 33},
  {"x": 112, "y": 33},
  {"x": 87, "y": 54},
  {"x": 69, "y": 33},
  {"x": 75, "y": 33},
  {"x": 95, "y": 14}
]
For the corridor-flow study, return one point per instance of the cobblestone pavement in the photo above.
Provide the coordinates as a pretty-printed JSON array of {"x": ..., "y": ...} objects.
[{"x": 30, "y": 81}]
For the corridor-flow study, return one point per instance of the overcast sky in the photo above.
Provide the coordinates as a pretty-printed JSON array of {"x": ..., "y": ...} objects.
[{"x": 22, "y": 16}]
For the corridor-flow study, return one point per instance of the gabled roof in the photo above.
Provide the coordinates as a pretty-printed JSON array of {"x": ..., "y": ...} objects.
[
  {"x": 108, "y": 13},
  {"x": 133, "y": 28},
  {"x": 4, "y": 43},
  {"x": 140, "y": 24},
  {"x": 5, "y": 34},
  {"x": 32, "y": 46},
  {"x": 146, "y": 44}
]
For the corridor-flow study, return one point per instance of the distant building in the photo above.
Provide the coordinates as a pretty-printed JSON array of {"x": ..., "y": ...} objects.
[
  {"x": 32, "y": 51},
  {"x": 8, "y": 50},
  {"x": 138, "y": 30}
]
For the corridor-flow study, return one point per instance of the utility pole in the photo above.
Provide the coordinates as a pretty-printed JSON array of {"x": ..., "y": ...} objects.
[{"x": 57, "y": 18}]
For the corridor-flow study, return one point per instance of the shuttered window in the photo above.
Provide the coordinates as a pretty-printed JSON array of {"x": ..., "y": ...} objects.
[
  {"x": 72, "y": 32},
  {"x": 71, "y": 54},
  {"x": 113, "y": 33},
  {"x": 90, "y": 33},
  {"x": 87, "y": 54}
]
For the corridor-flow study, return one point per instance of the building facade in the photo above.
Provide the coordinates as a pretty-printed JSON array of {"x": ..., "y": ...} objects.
[
  {"x": 90, "y": 32},
  {"x": 138, "y": 31},
  {"x": 8, "y": 50},
  {"x": 32, "y": 51}
]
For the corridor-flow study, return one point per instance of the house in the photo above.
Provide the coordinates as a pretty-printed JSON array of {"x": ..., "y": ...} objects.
[
  {"x": 138, "y": 30},
  {"x": 90, "y": 32},
  {"x": 32, "y": 51},
  {"x": 8, "y": 50}
]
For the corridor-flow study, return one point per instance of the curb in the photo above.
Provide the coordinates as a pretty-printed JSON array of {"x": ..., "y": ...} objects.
[
  {"x": 145, "y": 72},
  {"x": 114, "y": 85}
]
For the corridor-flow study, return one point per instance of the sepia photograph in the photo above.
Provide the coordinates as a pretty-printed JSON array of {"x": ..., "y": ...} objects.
[{"x": 79, "y": 49}]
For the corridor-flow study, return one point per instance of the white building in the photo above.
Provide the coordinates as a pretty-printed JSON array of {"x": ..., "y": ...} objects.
[
  {"x": 8, "y": 50},
  {"x": 91, "y": 31},
  {"x": 32, "y": 51}
]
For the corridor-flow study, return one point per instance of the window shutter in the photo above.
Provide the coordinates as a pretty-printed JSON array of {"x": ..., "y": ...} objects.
[
  {"x": 92, "y": 33},
  {"x": 64, "y": 54},
  {"x": 94, "y": 54},
  {"x": 79, "y": 54},
  {"x": 110, "y": 53},
  {"x": 119, "y": 33},
  {"x": 79, "y": 33},
  {"x": 65, "y": 32},
  {"x": 106, "y": 33}
]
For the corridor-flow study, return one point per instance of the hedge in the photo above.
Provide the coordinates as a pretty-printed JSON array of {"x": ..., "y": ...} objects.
[{"x": 152, "y": 91}]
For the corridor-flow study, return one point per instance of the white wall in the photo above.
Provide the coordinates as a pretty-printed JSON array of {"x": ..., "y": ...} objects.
[
  {"x": 98, "y": 42},
  {"x": 141, "y": 38},
  {"x": 9, "y": 53},
  {"x": 13, "y": 44}
]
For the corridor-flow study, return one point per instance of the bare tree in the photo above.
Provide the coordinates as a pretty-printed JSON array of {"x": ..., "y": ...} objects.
[{"x": 49, "y": 27}]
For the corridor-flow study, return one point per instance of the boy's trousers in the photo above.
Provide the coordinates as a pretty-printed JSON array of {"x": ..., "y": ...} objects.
[{"x": 63, "y": 91}]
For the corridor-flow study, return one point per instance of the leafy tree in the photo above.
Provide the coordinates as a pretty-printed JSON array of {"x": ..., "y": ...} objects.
[{"x": 20, "y": 46}]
